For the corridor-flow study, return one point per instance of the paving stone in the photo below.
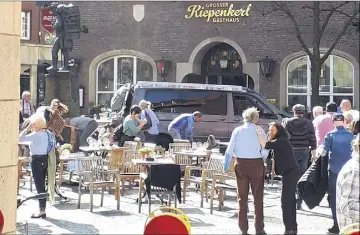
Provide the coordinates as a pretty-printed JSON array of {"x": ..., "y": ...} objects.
[{"x": 66, "y": 218}]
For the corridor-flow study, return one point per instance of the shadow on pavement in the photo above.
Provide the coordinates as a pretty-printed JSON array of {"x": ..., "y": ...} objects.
[
  {"x": 73, "y": 227},
  {"x": 36, "y": 229},
  {"x": 190, "y": 211},
  {"x": 311, "y": 213},
  {"x": 199, "y": 223},
  {"x": 112, "y": 213}
]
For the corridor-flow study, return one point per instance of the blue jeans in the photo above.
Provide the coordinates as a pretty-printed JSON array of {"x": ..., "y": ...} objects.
[
  {"x": 332, "y": 192},
  {"x": 302, "y": 158}
]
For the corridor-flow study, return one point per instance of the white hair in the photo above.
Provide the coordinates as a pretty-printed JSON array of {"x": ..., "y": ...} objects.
[
  {"x": 318, "y": 109},
  {"x": 25, "y": 93},
  {"x": 348, "y": 116},
  {"x": 251, "y": 115},
  {"x": 143, "y": 104}
]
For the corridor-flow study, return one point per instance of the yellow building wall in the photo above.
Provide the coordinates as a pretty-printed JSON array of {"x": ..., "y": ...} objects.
[{"x": 9, "y": 108}]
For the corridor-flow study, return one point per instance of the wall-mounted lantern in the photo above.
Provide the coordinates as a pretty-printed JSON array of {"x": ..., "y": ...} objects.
[
  {"x": 267, "y": 66},
  {"x": 163, "y": 67}
]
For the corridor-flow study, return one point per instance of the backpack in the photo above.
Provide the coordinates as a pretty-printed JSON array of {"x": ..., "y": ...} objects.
[
  {"x": 148, "y": 124},
  {"x": 118, "y": 132}
]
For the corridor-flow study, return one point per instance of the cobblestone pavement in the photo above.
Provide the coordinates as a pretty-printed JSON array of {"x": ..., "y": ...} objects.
[{"x": 65, "y": 218}]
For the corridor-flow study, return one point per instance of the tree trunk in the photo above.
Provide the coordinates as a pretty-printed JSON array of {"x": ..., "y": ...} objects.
[{"x": 315, "y": 82}]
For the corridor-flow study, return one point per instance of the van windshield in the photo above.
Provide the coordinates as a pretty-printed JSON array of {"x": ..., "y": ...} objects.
[{"x": 187, "y": 101}]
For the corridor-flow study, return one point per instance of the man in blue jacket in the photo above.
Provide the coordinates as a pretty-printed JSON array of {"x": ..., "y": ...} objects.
[
  {"x": 181, "y": 127},
  {"x": 337, "y": 145}
]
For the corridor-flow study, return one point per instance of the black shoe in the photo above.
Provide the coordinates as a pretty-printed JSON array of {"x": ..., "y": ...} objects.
[
  {"x": 290, "y": 232},
  {"x": 333, "y": 230},
  {"x": 37, "y": 216},
  {"x": 244, "y": 233},
  {"x": 261, "y": 233}
]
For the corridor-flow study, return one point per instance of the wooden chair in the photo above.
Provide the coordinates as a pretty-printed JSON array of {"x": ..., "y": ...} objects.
[
  {"x": 181, "y": 160},
  {"x": 129, "y": 171},
  {"x": 131, "y": 145},
  {"x": 219, "y": 185},
  {"x": 214, "y": 166},
  {"x": 93, "y": 176}
]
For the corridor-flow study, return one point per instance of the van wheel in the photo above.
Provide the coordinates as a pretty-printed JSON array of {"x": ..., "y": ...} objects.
[{"x": 164, "y": 140}]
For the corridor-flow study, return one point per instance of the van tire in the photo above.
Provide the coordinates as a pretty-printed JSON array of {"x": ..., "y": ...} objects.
[{"x": 164, "y": 140}]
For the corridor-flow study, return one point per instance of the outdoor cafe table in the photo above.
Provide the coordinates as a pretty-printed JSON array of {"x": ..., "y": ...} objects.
[{"x": 144, "y": 162}]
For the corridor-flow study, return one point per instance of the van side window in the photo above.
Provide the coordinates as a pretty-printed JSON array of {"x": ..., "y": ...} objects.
[
  {"x": 187, "y": 101},
  {"x": 243, "y": 102}
]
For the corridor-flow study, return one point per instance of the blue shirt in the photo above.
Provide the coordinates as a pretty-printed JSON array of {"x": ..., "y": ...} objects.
[
  {"x": 183, "y": 124},
  {"x": 245, "y": 143},
  {"x": 153, "y": 130},
  {"x": 39, "y": 142},
  {"x": 337, "y": 144}
]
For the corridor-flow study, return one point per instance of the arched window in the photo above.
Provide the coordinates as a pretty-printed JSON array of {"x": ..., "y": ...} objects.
[
  {"x": 336, "y": 81},
  {"x": 117, "y": 71}
]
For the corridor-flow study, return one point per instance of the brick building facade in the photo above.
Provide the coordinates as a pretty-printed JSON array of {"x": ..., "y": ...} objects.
[{"x": 123, "y": 45}]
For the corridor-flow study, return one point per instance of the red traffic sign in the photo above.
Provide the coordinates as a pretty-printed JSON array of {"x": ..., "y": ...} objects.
[
  {"x": 2, "y": 222},
  {"x": 47, "y": 19}
]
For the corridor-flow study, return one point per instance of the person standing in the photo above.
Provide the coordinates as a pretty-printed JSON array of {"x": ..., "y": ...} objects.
[
  {"x": 288, "y": 168},
  {"x": 337, "y": 145},
  {"x": 131, "y": 125},
  {"x": 317, "y": 111},
  {"x": 324, "y": 123},
  {"x": 345, "y": 106},
  {"x": 150, "y": 134},
  {"x": 302, "y": 139},
  {"x": 26, "y": 107},
  {"x": 86, "y": 126},
  {"x": 347, "y": 190},
  {"x": 182, "y": 126},
  {"x": 245, "y": 147},
  {"x": 41, "y": 142}
]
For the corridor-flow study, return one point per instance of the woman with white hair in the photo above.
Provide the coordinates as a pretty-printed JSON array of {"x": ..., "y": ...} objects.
[
  {"x": 150, "y": 130},
  {"x": 42, "y": 142},
  {"x": 245, "y": 147}
]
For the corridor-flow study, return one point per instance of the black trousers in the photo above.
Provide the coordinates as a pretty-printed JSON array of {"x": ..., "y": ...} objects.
[
  {"x": 39, "y": 166},
  {"x": 288, "y": 199},
  {"x": 124, "y": 138},
  {"x": 150, "y": 138}
]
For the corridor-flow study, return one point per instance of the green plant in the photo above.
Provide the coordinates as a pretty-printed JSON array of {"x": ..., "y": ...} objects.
[
  {"x": 66, "y": 147},
  {"x": 287, "y": 109},
  {"x": 98, "y": 106},
  {"x": 145, "y": 150}
]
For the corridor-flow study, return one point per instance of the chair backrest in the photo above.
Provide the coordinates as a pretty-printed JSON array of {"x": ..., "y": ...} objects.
[
  {"x": 94, "y": 164},
  {"x": 216, "y": 163},
  {"x": 117, "y": 159},
  {"x": 131, "y": 145},
  {"x": 129, "y": 166},
  {"x": 180, "y": 159},
  {"x": 159, "y": 151},
  {"x": 177, "y": 147}
]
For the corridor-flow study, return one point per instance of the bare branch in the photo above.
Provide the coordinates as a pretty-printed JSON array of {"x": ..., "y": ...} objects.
[
  {"x": 341, "y": 33},
  {"x": 287, "y": 11},
  {"x": 327, "y": 19}
]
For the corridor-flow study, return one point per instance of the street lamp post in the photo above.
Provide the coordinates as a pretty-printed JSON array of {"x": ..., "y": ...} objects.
[{"x": 267, "y": 66}]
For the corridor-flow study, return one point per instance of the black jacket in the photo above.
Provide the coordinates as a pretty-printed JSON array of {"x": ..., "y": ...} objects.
[
  {"x": 301, "y": 131},
  {"x": 313, "y": 184}
]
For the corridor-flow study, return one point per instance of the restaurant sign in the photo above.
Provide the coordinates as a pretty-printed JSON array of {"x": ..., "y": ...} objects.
[
  {"x": 47, "y": 19},
  {"x": 218, "y": 12}
]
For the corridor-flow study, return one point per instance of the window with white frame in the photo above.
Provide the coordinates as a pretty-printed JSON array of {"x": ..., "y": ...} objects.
[
  {"x": 336, "y": 81},
  {"x": 117, "y": 71},
  {"x": 25, "y": 25}
]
